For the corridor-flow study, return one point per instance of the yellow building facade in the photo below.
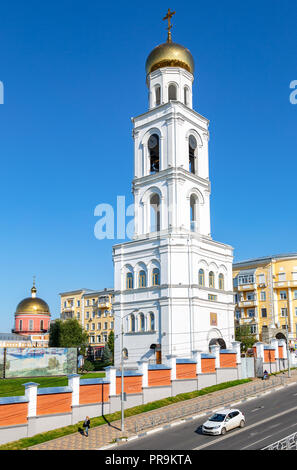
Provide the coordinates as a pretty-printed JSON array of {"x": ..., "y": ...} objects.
[
  {"x": 93, "y": 309},
  {"x": 266, "y": 296}
]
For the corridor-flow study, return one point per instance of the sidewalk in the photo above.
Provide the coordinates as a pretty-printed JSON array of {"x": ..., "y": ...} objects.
[{"x": 105, "y": 435}]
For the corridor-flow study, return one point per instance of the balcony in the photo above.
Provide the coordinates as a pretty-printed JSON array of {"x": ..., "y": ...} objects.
[
  {"x": 247, "y": 303},
  {"x": 245, "y": 287},
  {"x": 284, "y": 284}
]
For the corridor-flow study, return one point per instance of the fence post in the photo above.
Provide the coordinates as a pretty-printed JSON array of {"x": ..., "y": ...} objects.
[
  {"x": 31, "y": 395},
  {"x": 73, "y": 382}
]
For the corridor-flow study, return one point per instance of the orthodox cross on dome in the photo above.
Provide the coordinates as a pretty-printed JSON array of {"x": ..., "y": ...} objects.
[
  {"x": 168, "y": 17},
  {"x": 33, "y": 290}
]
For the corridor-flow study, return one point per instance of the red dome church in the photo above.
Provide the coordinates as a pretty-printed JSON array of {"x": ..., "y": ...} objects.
[{"x": 32, "y": 318}]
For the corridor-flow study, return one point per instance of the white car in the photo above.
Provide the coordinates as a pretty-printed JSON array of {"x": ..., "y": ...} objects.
[{"x": 222, "y": 421}]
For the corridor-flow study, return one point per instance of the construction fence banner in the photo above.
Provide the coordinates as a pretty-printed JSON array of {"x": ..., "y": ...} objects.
[{"x": 37, "y": 362}]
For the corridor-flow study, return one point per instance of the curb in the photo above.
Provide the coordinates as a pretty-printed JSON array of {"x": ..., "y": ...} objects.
[{"x": 191, "y": 418}]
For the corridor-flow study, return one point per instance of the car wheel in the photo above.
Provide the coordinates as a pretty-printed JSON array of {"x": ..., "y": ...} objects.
[
  {"x": 223, "y": 431},
  {"x": 242, "y": 423}
]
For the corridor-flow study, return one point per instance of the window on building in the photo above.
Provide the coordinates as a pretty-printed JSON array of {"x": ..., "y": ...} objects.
[
  {"x": 105, "y": 338},
  {"x": 132, "y": 322},
  {"x": 253, "y": 329},
  {"x": 87, "y": 327},
  {"x": 155, "y": 213},
  {"x": 221, "y": 282},
  {"x": 154, "y": 153},
  {"x": 65, "y": 304},
  {"x": 129, "y": 281},
  {"x": 21, "y": 325},
  {"x": 41, "y": 325},
  {"x": 246, "y": 279},
  {"x": 78, "y": 303},
  {"x": 92, "y": 338},
  {"x": 295, "y": 294},
  {"x": 281, "y": 276},
  {"x": 250, "y": 296},
  {"x": 152, "y": 322},
  {"x": 142, "y": 279},
  {"x": 212, "y": 297},
  {"x": 87, "y": 303},
  {"x": 186, "y": 96},
  {"x": 284, "y": 312},
  {"x": 237, "y": 314},
  {"x": 263, "y": 295},
  {"x": 264, "y": 312},
  {"x": 261, "y": 278},
  {"x": 105, "y": 325},
  {"x": 211, "y": 279},
  {"x": 111, "y": 325},
  {"x": 93, "y": 326},
  {"x": 98, "y": 338},
  {"x": 125, "y": 353},
  {"x": 30, "y": 325},
  {"x": 172, "y": 92},
  {"x": 296, "y": 312},
  {"x": 156, "y": 277},
  {"x": 192, "y": 154},
  {"x": 193, "y": 212},
  {"x": 251, "y": 312},
  {"x": 201, "y": 278},
  {"x": 158, "y": 95},
  {"x": 141, "y": 322},
  {"x": 283, "y": 295},
  {"x": 87, "y": 314},
  {"x": 98, "y": 326}
]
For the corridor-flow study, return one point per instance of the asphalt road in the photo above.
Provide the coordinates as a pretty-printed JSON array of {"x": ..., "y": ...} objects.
[{"x": 268, "y": 419}]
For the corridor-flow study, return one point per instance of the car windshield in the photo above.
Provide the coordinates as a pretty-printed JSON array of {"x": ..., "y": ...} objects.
[{"x": 217, "y": 417}]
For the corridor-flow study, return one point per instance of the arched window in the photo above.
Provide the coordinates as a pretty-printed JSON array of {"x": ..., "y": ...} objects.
[
  {"x": 158, "y": 95},
  {"x": 192, "y": 154},
  {"x": 172, "y": 92},
  {"x": 193, "y": 212},
  {"x": 152, "y": 322},
  {"x": 211, "y": 279},
  {"x": 132, "y": 322},
  {"x": 221, "y": 282},
  {"x": 129, "y": 281},
  {"x": 125, "y": 353},
  {"x": 186, "y": 96},
  {"x": 41, "y": 325},
  {"x": 201, "y": 277},
  {"x": 156, "y": 277},
  {"x": 141, "y": 322},
  {"x": 154, "y": 153},
  {"x": 155, "y": 213},
  {"x": 142, "y": 279}
]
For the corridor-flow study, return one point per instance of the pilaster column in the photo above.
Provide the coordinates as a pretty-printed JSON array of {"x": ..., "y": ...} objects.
[
  {"x": 215, "y": 349},
  {"x": 31, "y": 395},
  {"x": 73, "y": 382},
  {"x": 196, "y": 355},
  {"x": 110, "y": 374},
  {"x": 143, "y": 368},
  {"x": 236, "y": 347},
  {"x": 260, "y": 349},
  {"x": 172, "y": 363}
]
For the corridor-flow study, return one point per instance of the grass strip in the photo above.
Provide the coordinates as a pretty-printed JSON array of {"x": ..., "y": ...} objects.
[
  {"x": 15, "y": 387},
  {"x": 99, "y": 421}
]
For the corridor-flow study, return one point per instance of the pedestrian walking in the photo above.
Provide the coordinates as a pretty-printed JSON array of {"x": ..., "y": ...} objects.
[{"x": 86, "y": 426}]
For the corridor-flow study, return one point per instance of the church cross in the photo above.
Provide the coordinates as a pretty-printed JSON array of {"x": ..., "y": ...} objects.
[{"x": 168, "y": 17}]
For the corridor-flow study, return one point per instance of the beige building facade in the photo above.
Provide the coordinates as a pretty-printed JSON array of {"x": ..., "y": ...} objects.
[
  {"x": 266, "y": 296},
  {"x": 93, "y": 310}
]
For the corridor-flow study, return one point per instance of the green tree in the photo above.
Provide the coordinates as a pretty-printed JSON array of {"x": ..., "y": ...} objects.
[
  {"x": 245, "y": 336},
  {"x": 67, "y": 334},
  {"x": 107, "y": 355},
  {"x": 110, "y": 343}
]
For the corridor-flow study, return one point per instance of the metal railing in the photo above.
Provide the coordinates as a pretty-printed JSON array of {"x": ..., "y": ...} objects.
[
  {"x": 200, "y": 404},
  {"x": 288, "y": 443}
]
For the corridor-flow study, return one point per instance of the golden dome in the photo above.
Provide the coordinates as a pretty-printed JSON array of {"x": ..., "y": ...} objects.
[
  {"x": 169, "y": 54},
  {"x": 33, "y": 305}
]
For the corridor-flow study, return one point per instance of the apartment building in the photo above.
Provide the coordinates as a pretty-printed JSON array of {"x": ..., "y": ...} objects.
[
  {"x": 266, "y": 296},
  {"x": 93, "y": 309}
]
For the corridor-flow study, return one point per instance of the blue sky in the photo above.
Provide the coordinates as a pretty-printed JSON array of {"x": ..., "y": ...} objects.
[{"x": 73, "y": 75}]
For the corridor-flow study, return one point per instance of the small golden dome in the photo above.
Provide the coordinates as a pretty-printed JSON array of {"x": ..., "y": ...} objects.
[
  {"x": 33, "y": 305},
  {"x": 169, "y": 54}
]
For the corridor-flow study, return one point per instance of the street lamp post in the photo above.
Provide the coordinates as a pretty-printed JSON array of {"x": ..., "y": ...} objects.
[{"x": 288, "y": 347}]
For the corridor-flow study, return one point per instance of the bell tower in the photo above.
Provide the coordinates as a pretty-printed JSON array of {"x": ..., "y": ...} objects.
[{"x": 165, "y": 302}]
